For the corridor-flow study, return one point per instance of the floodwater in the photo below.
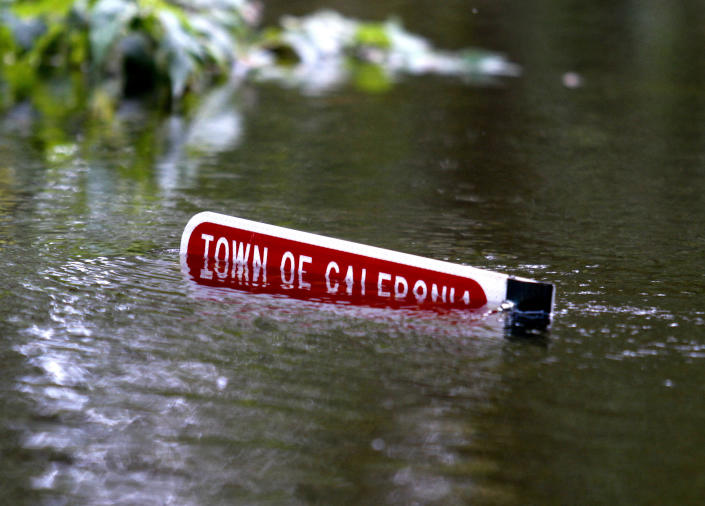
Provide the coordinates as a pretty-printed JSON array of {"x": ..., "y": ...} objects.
[{"x": 125, "y": 383}]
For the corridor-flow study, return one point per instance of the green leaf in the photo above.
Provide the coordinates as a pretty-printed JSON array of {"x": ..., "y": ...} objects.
[
  {"x": 40, "y": 8},
  {"x": 371, "y": 78},
  {"x": 372, "y": 34},
  {"x": 182, "y": 50},
  {"x": 217, "y": 42},
  {"x": 108, "y": 20}
]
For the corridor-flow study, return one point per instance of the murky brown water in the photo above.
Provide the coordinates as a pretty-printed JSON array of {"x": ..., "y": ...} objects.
[{"x": 125, "y": 383}]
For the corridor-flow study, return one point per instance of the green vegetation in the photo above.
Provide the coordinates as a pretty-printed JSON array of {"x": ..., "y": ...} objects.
[
  {"x": 67, "y": 67},
  {"x": 118, "y": 48},
  {"x": 123, "y": 46}
]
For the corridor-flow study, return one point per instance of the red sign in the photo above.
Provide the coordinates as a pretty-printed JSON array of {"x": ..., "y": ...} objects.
[{"x": 224, "y": 251}]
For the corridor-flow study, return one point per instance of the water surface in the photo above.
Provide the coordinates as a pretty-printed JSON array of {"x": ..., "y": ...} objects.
[{"x": 123, "y": 383}]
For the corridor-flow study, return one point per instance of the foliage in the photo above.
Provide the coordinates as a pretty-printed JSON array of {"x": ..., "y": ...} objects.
[
  {"x": 324, "y": 49},
  {"x": 69, "y": 70},
  {"x": 127, "y": 46},
  {"x": 67, "y": 66}
]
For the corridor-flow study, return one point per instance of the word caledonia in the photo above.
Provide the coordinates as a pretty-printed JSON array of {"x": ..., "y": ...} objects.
[{"x": 224, "y": 251}]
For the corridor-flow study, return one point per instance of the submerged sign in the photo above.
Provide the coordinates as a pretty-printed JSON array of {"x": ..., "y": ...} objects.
[{"x": 224, "y": 251}]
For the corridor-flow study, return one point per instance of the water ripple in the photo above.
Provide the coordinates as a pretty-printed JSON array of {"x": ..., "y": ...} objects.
[{"x": 139, "y": 376}]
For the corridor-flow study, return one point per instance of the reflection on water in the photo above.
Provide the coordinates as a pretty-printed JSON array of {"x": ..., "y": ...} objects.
[{"x": 283, "y": 300}]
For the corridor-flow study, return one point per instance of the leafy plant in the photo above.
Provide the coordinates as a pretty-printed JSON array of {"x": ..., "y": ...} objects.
[
  {"x": 139, "y": 44},
  {"x": 325, "y": 48},
  {"x": 172, "y": 48}
]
